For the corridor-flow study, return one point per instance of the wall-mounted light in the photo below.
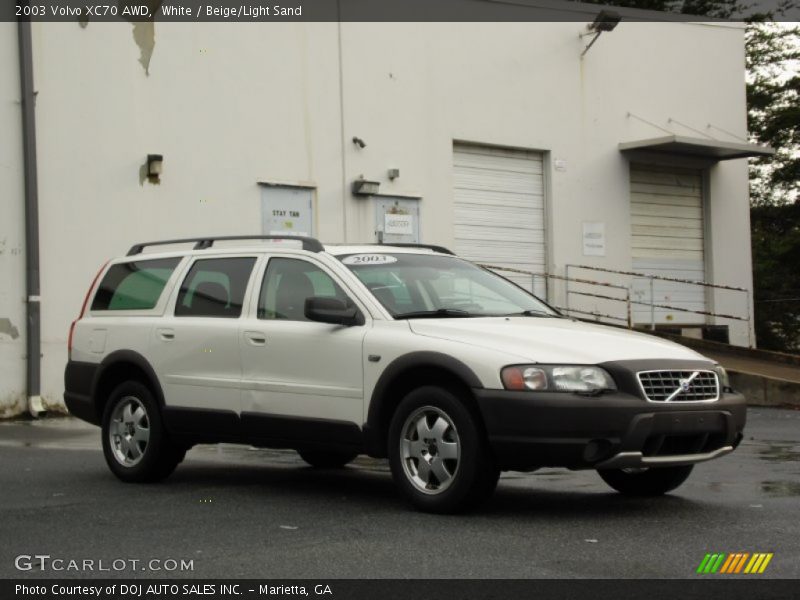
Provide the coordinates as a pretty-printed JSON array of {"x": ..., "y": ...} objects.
[
  {"x": 393, "y": 174},
  {"x": 606, "y": 20},
  {"x": 155, "y": 165},
  {"x": 359, "y": 142},
  {"x": 364, "y": 187}
]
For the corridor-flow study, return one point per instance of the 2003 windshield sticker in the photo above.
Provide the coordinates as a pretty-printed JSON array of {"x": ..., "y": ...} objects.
[{"x": 369, "y": 259}]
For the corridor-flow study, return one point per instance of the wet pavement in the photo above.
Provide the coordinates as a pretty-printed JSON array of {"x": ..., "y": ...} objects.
[{"x": 243, "y": 512}]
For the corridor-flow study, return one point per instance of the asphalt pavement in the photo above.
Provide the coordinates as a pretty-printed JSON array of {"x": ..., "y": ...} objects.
[{"x": 233, "y": 511}]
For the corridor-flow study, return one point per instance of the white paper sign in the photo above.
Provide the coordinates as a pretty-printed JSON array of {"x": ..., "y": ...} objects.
[
  {"x": 594, "y": 239},
  {"x": 398, "y": 224}
]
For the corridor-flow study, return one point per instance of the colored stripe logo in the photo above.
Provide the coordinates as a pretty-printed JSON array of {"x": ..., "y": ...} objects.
[{"x": 735, "y": 563}]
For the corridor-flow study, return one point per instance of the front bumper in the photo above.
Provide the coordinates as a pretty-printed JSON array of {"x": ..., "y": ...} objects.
[{"x": 528, "y": 430}]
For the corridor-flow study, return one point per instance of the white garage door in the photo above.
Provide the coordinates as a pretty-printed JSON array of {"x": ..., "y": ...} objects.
[
  {"x": 499, "y": 210},
  {"x": 667, "y": 240}
]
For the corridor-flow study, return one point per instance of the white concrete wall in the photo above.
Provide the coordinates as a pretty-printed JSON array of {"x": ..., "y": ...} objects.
[
  {"x": 12, "y": 232},
  {"x": 229, "y": 106}
]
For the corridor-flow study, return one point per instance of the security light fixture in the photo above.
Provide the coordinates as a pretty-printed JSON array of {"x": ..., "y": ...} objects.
[
  {"x": 393, "y": 174},
  {"x": 364, "y": 187},
  {"x": 606, "y": 20},
  {"x": 359, "y": 142},
  {"x": 155, "y": 165}
]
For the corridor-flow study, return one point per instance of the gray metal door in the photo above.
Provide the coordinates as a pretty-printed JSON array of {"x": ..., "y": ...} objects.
[
  {"x": 287, "y": 210},
  {"x": 397, "y": 220}
]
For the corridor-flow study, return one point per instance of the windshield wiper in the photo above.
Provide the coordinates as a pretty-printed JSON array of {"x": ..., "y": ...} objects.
[
  {"x": 533, "y": 313},
  {"x": 435, "y": 314}
]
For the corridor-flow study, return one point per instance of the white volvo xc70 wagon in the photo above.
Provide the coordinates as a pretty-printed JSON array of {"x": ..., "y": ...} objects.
[{"x": 406, "y": 352}]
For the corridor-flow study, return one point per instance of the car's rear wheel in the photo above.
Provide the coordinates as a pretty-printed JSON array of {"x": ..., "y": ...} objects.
[
  {"x": 438, "y": 454},
  {"x": 135, "y": 444},
  {"x": 326, "y": 460},
  {"x": 646, "y": 482}
]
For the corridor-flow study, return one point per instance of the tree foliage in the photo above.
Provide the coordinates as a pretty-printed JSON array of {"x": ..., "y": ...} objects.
[
  {"x": 773, "y": 110},
  {"x": 773, "y": 94},
  {"x": 776, "y": 273}
]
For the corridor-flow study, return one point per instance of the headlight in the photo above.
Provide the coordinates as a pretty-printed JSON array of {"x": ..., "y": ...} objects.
[
  {"x": 567, "y": 378},
  {"x": 724, "y": 380}
]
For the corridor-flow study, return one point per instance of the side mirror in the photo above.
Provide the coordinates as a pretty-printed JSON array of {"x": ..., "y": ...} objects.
[{"x": 331, "y": 310}]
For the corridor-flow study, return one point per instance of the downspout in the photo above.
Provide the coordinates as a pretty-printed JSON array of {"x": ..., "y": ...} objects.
[{"x": 33, "y": 342}]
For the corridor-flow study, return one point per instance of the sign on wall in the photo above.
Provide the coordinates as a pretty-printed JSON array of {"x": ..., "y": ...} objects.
[
  {"x": 286, "y": 210},
  {"x": 594, "y": 239},
  {"x": 398, "y": 224}
]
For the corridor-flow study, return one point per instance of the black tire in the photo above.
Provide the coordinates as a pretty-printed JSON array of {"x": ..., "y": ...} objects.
[
  {"x": 649, "y": 482},
  {"x": 327, "y": 460},
  {"x": 136, "y": 446},
  {"x": 466, "y": 480}
]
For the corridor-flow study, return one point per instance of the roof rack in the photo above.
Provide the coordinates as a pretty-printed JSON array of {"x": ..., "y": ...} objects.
[
  {"x": 201, "y": 243},
  {"x": 441, "y": 249}
]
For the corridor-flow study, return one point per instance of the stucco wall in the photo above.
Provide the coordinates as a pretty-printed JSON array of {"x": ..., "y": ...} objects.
[{"x": 12, "y": 233}]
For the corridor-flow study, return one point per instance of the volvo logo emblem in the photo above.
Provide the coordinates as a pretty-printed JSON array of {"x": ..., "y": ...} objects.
[{"x": 685, "y": 384}]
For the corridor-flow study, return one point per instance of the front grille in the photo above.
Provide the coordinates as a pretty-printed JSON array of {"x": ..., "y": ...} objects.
[{"x": 691, "y": 386}]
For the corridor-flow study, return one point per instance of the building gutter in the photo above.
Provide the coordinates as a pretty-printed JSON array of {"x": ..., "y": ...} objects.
[{"x": 32, "y": 288}]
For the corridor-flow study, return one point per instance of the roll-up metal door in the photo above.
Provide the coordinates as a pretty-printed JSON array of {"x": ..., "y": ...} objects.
[
  {"x": 668, "y": 240},
  {"x": 499, "y": 210}
]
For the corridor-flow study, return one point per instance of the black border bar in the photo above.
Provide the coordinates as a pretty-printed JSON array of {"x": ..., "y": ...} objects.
[
  {"x": 731, "y": 588},
  {"x": 241, "y": 11}
]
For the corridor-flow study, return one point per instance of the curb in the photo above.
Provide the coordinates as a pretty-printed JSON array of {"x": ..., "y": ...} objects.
[{"x": 766, "y": 391}]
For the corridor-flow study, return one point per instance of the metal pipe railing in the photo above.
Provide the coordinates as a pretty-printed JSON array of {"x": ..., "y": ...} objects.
[{"x": 628, "y": 319}]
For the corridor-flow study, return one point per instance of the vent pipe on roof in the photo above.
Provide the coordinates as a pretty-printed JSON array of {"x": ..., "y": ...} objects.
[{"x": 28, "y": 101}]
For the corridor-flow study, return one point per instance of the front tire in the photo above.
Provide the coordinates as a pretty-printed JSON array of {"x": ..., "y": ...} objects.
[
  {"x": 646, "y": 482},
  {"x": 135, "y": 444},
  {"x": 438, "y": 454}
]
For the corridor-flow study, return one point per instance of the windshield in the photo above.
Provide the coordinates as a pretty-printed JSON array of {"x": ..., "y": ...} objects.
[{"x": 431, "y": 285}]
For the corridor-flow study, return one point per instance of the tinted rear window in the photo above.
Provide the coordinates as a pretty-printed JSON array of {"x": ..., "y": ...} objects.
[{"x": 134, "y": 285}]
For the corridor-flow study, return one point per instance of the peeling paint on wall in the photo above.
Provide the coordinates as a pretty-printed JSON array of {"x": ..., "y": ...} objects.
[
  {"x": 7, "y": 328},
  {"x": 144, "y": 34}
]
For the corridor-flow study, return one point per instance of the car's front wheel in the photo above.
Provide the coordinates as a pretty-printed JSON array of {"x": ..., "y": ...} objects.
[
  {"x": 135, "y": 444},
  {"x": 438, "y": 454},
  {"x": 646, "y": 482}
]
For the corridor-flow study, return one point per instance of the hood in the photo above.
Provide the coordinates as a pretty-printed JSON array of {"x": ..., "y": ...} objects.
[{"x": 550, "y": 340}]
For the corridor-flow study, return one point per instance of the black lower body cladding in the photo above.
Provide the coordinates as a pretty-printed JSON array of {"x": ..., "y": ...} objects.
[
  {"x": 78, "y": 380},
  {"x": 528, "y": 430}
]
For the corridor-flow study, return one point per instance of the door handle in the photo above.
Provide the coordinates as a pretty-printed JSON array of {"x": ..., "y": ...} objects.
[
  {"x": 166, "y": 334},
  {"x": 255, "y": 338}
]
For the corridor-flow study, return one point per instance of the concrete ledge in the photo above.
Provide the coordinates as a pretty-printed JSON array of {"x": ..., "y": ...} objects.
[
  {"x": 766, "y": 391},
  {"x": 743, "y": 351}
]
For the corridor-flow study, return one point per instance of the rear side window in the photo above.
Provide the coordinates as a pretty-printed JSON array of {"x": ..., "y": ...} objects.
[
  {"x": 214, "y": 287},
  {"x": 134, "y": 285}
]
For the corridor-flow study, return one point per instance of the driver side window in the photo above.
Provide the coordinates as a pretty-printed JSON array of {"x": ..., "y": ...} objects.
[{"x": 287, "y": 284}]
